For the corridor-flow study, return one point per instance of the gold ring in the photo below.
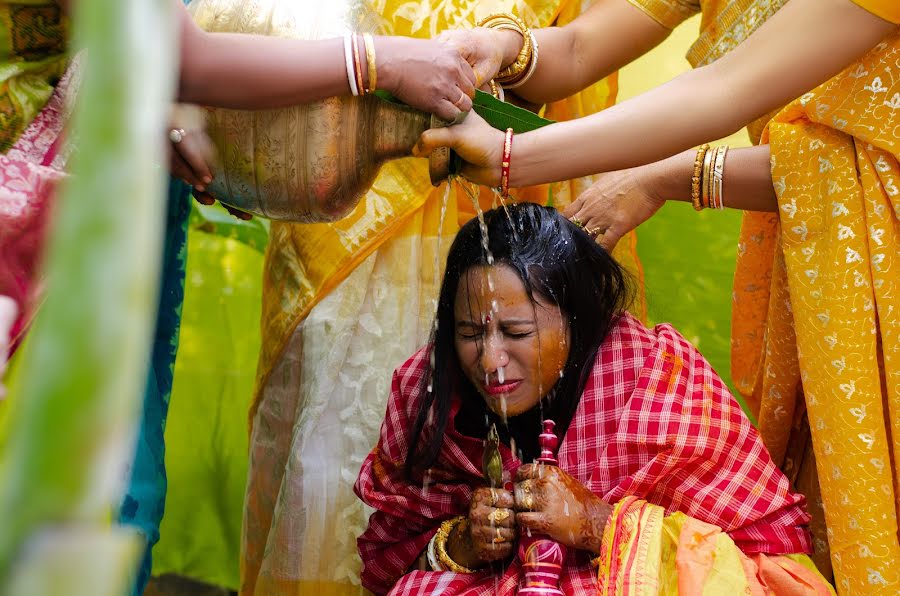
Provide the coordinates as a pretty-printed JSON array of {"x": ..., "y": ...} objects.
[
  {"x": 494, "y": 497},
  {"x": 498, "y": 516},
  {"x": 462, "y": 96},
  {"x": 496, "y": 90},
  {"x": 498, "y": 538},
  {"x": 527, "y": 501},
  {"x": 577, "y": 222}
]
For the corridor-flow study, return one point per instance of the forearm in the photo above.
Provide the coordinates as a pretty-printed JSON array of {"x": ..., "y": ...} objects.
[
  {"x": 270, "y": 72},
  {"x": 803, "y": 45},
  {"x": 609, "y": 35},
  {"x": 241, "y": 71},
  {"x": 642, "y": 130},
  {"x": 746, "y": 183}
]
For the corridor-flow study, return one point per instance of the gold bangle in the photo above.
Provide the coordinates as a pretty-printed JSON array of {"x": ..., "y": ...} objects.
[
  {"x": 440, "y": 544},
  {"x": 513, "y": 23},
  {"x": 496, "y": 90},
  {"x": 531, "y": 67},
  {"x": 695, "y": 179},
  {"x": 370, "y": 60},
  {"x": 705, "y": 178},
  {"x": 358, "y": 71}
]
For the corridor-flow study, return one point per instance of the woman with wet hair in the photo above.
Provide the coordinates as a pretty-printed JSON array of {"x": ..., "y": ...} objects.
[{"x": 654, "y": 449}]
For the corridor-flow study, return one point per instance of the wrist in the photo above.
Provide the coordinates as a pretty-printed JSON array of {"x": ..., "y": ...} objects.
[
  {"x": 520, "y": 163},
  {"x": 460, "y": 547},
  {"x": 388, "y": 77},
  {"x": 598, "y": 514},
  {"x": 510, "y": 43},
  {"x": 670, "y": 179}
]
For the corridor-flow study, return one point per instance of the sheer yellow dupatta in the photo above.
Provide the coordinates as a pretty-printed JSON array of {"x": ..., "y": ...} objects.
[{"x": 646, "y": 553}]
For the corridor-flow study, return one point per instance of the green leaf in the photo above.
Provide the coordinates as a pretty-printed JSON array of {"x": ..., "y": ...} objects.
[
  {"x": 502, "y": 115},
  {"x": 499, "y": 114}
]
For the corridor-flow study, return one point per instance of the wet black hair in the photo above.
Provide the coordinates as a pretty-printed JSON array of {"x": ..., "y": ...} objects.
[{"x": 556, "y": 260}]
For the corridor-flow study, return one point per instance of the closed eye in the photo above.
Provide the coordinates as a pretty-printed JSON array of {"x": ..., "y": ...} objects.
[{"x": 519, "y": 334}]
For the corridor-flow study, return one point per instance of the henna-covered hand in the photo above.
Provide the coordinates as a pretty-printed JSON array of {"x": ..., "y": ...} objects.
[
  {"x": 552, "y": 502},
  {"x": 491, "y": 533}
]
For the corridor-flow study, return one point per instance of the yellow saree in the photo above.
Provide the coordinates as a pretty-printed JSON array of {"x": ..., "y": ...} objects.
[
  {"x": 343, "y": 305},
  {"x": 815, "y": 296},
  {"x": 764, "y": 366},
  {"x": 835, "y": 167}
]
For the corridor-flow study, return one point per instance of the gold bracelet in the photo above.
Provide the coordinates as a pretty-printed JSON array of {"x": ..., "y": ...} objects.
[
  {"x": 513, "y": 23},
  {"x": 532, "y": 64},
  {"x": 695, "y": 179},
  {"x": 370, "y": 60},
  {"x": 358, "y": 71},
  {"x": 706, "y": 178},
  {"x": 496, "y": 90},
  {"x": 440, "y": 544}
]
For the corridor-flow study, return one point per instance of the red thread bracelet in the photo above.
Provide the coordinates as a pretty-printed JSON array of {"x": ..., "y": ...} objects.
[{"x": 504, "y": 165}]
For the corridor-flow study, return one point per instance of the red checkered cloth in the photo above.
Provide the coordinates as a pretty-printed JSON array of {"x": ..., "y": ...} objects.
[{"x": 655, "y": 421}]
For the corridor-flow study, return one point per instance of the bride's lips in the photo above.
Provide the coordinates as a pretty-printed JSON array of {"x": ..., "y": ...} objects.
[{"x": 501, "y": 388}]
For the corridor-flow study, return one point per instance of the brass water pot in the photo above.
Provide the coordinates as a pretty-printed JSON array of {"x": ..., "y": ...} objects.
[{"x": 312, "y": 162}]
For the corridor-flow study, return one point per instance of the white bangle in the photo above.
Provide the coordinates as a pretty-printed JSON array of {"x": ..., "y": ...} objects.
[
  {"x": 718, "y": 172},
  {"x": 348, "y": 60},
  {"x": 532, "y": 66},
  {"x": 431, "y": 555}
]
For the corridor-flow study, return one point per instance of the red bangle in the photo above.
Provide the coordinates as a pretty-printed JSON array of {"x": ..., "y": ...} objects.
[{"x": 504, "y": 165}]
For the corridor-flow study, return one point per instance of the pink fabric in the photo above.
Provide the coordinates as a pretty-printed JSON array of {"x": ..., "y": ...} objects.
[
  {"x": 654, "y": 421},
  {"x": 29, "y": 174}
]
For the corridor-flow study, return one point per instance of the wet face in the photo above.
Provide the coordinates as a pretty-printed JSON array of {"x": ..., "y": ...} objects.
[{"x": 511, "y": 348}]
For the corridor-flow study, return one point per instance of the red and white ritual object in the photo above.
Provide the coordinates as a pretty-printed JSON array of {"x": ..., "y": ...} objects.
[{"x": 542, "y": 557}]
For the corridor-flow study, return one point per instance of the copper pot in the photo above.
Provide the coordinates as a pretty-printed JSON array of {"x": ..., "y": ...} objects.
[{"x": 311, "y": 162}]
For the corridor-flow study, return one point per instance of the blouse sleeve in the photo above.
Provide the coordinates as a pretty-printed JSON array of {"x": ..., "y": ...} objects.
[
  {"x": 671, "y": 13},
  {"x": 889, "y": 10}
]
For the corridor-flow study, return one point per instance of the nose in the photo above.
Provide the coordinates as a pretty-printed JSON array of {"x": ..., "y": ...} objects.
[{"x": 493, "y": 354}]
